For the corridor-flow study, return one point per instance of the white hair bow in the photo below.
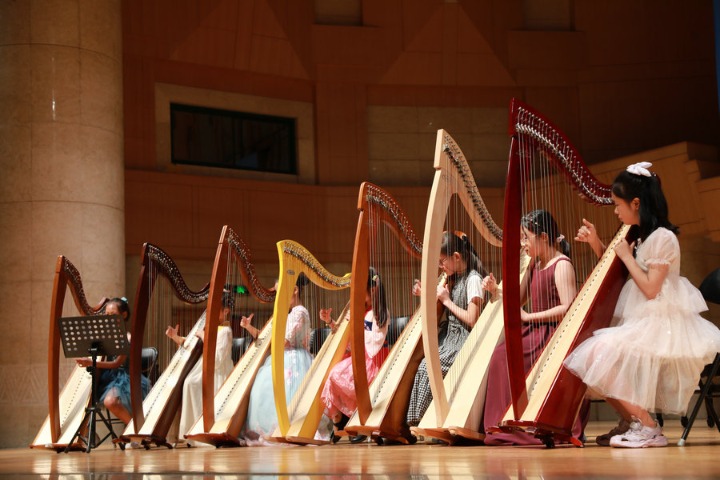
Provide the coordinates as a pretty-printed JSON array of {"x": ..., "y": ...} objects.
[{"x": 640, "y": 169}]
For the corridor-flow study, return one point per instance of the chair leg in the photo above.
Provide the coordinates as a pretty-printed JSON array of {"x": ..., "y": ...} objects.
[{"x": 704, "y": 393}]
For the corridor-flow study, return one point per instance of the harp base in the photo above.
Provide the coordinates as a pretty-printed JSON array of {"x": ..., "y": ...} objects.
[
  {"x": 382, "y": 435},
  {"x": 547, "y": 434},
  {"x": 306, "y": 441},
  {"x": 218, "y": 440},
  {"x": 145, "y": 440}
]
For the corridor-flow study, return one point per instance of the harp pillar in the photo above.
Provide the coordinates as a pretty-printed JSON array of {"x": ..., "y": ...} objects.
[{"x": 62, "y": 180}]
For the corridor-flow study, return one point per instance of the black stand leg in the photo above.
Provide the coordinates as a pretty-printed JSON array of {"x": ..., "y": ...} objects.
[
  {"x": 704, "y": 394},
  {"x": 92, "y": 413}
]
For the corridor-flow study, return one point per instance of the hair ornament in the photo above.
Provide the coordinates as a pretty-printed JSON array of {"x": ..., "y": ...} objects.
[
  {"x": 375, "y": 278},
  {"x": 640, "y": 168},
  {"x": 560, "y": 238}
]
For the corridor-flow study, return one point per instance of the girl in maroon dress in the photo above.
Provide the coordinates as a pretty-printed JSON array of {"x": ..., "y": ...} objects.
[{"x": 550, "y": 290}]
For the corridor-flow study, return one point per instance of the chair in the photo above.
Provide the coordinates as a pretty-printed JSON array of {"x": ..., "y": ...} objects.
[
  {"x": 239, "y": 347},
  {"x": 709, "y": 389},
  {"x": 397, "y": 325},
  {"x": 317, "y": 338}
]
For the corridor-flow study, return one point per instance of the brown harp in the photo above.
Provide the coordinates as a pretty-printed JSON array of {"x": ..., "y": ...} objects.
[
  {"x": 456, "y": 205},
  {"x": 224, "y": 412},
  {"x": 545, "y": 171},
  {"x": 298, "y": 419},
  {"x": 66, "y": 407},
  {"x": 385, "y": 240},
  {"x": 163, "y": 298}
]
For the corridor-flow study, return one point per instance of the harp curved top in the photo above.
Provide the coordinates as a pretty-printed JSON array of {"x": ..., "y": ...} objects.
[
  {"x": 452, "y": 178},
  {"x": 66, "y": 276},
  {"x": 153, "y": 257},
  {"x": 230, "y": 244},
  {"x": 531, "y": 133},
  {"x": 294, "y": 259},
  {"x": 541, "y": 133},
  {"x": 375, "y": 206}
]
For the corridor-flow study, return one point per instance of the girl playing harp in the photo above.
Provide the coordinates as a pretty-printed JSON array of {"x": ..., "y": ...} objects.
[
  {"x": 338, "y": 395},
  {"x": 462, "y": 297},
  {"x": 652, "y": 358},
  {"x": 550, "y": 291},
  {"x": 192, "y": 388},
  {"x": 262, "y": 416}
]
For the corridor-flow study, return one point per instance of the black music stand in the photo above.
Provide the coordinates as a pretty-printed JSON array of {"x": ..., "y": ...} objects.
[{"x": 93, "y": 336}]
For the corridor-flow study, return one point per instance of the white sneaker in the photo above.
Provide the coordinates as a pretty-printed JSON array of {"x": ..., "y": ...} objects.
[{"x": 640, "y": 436}]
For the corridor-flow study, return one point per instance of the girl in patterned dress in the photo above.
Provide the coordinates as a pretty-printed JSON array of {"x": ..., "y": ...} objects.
[
  {"x": 459, "y": 262},
  {"x": 650, "y": 360}
]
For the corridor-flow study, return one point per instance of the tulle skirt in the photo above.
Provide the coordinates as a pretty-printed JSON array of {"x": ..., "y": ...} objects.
[
  {"x": 117, "y": 382},
  {"x": 262, "y": 416},
  {"x": 654, "y": 354}
]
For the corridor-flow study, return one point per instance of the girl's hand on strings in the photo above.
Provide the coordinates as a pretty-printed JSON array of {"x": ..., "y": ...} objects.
[
  {"x": 489, "y": 284},
  {"x": 246, "y": 322},
  {"x": 325, "y": 315},
  {"x": 624, "y": 250},
  {"x": 416, "y": 288},
  {"x": 443, "y": 294}
]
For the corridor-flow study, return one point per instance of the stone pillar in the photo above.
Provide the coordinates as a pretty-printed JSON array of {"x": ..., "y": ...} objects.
[{"x": 61, "y": 181}]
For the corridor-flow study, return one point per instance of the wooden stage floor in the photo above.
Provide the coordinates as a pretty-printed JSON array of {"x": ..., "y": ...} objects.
[{"x": 699, "y": 458}]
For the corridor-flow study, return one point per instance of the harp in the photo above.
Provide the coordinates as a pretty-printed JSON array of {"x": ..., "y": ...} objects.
[
  {"x": 163, "y": 298},
  {"x": 224, "y": 412},
  {"x": 386, "y": 241},
  {"x": 66, "y": 407},
  {"x": 299, "y": 414},
  {"x": 458, "y": 391},
  {"x": 546, "y": 171}
]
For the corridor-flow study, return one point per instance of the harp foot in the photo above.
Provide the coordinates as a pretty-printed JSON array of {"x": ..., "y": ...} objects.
[{"x": 549, "y": 442}]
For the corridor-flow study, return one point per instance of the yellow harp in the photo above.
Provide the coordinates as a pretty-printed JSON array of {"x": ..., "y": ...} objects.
[
  {"x": 224, "y": 412},
  {"x": 66, "y": 407},
  {"x": 300, "y": 414}
]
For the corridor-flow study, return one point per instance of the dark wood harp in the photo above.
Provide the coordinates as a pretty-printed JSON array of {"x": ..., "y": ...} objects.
[
  {"x": 298, "y": 420},
  {"x": 224, "y": 412},
  {"x": 173, "y": 301},
  {"x": 66, "y": 407},
  {"x": 458, "y": 398},
  {"x": 385, "y": 240},
  {"x": 546, "y": 400}
]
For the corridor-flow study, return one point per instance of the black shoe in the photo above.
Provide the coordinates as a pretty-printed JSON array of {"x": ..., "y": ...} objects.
[
  {"x": 341, "y": 424},
  {"x": 358, "y": 439},
  {"x": 335, "y": 438}
]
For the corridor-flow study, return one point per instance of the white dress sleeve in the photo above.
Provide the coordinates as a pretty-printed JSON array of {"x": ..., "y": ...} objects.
[
  {"x": 474, "y": 287},
  {"x": 296, "y": 331},
  {"x": 223, "y": 348},
  {"x": 661, "y": 248},
  {"x": 374, "y": 338}
]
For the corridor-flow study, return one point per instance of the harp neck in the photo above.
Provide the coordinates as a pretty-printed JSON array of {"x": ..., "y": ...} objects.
[{"x": 453, "y": 179}]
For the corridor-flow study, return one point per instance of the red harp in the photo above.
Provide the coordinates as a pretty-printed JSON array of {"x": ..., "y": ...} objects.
[
  {"x": 163, "y": 298},
  {"x": 233, "y": 273},
  {"x": 386, "y": 241},
  {"x": 546, "y": 172},
  {"x": 66, "y": 407}
]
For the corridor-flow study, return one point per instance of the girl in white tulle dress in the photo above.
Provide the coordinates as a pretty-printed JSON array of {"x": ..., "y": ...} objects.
[{"x": 651, "y": 359}]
